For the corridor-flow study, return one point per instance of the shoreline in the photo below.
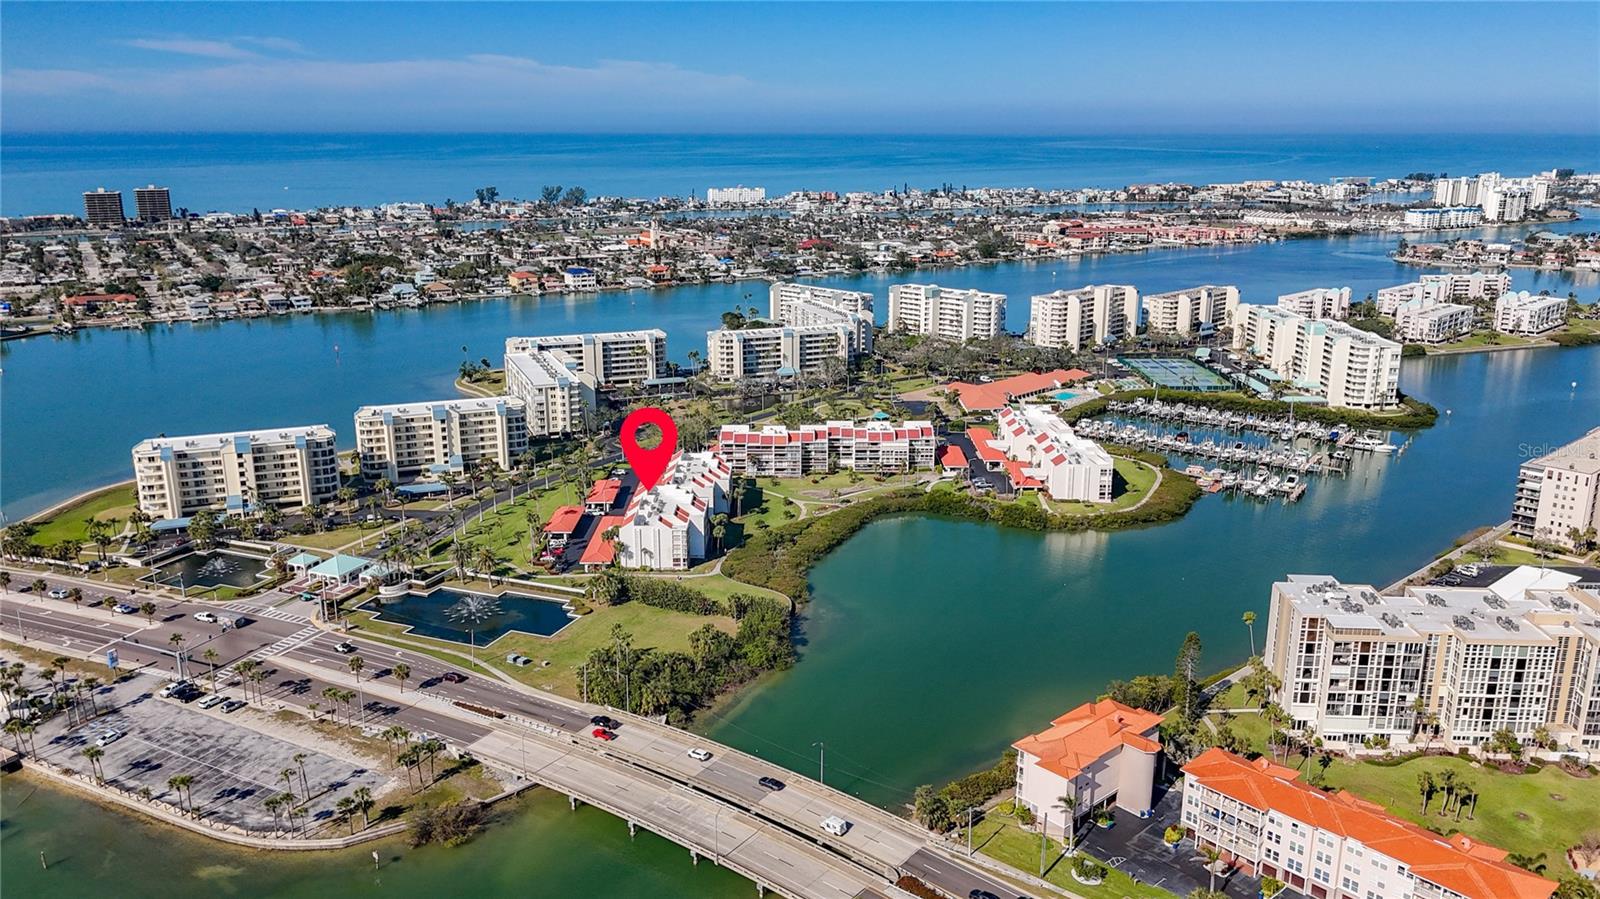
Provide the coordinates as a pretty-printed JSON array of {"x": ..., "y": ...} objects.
[{"x": 81, "y": 498}]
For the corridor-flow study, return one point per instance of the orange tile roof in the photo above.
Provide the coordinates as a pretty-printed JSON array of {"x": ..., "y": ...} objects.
[
  {"x": 1089, "y": 733},
  {"x": 604, "y": 491},
  {"x": 952, "y": 457},
  {"x": 981, "y": 397},
  {"x": 599, "y": 550},
  {"x": 1458, "y": 863},
  {"x": 564, "y": 520},
  {"x": 1020, "y": 479},
  {"x": 980, "y": 438}
]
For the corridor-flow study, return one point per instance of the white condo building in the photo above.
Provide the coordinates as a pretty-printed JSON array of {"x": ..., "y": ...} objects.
[
  {"x": 1520, "y": 654},
  {"x": 1193, "y": 310},
  {"x": 879, "y": 447},
  {"x": 556, "y": 397},
  {"x": 782, "y": 352},
  {"x": 1068, "y": 467},
  {"x": 946, "y": 312},
  {"x": 612, "y": 358},
  {"x": 1353, "y": 368},
  {"x": 1429, "y": 321},
  {"x": 288, "y": 468},
  {"x": 405, "y": 440},
  {"x": 1260, "y": 816},
  {"x": 1083, "y": 318},
  {"x": 802, "y": 305},
  {"x": 1318, "y": 303},
  {"x": 735, "y": 196},
  {"x": 1559, "y": 493},
  {"x": 1442, "y": 218},
  {"x": 668, "y": 527},
  {"x": 1446, "y": 288},
  {"x": 1520, "y": 312}
]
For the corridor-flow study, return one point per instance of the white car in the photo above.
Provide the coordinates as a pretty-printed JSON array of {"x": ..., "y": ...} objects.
[
  {"x": 212, "y": 701},
  {"x": 700, "y": 755},
  {"x": 207, "y": 617},
  {"x": 107, "y": 738},
  {"x": 58, "y": 593},
  {"x": 835, "y": 825}
]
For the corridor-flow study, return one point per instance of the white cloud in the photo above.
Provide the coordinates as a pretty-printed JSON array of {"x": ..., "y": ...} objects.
[
  {"x": 281, "y": 44},
  {"x": 192, "y": 47}
]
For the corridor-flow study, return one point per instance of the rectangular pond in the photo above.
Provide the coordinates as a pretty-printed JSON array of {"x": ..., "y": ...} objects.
[
  {"x": 464, "y": 616},
  {"x": 212, "y": 568}
]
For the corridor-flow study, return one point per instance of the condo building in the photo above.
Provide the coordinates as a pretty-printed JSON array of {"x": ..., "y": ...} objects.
[
  {"x": 1558, "y": 494},
  {"x": 668, "y": 527},
  {"x": 1429, "y": 321},
  {"x": 1100, "y": 752},
  {"x": 782, "y": 352},
  {"x": 879, "y": 447},
  {"x": 405, "y": 440},
  {"x": 1520, "y": 654},
  {"x": 735, "y": 196},
  {"x": 622, "y": 358},
  {"x": 1318, "y": 303},
  {"x": 1194, "y": 310},
  {"x": 1043, "y": 452},
  {"x": 1086, "y": 317},
  {"x": 103, "y": 208},
  {"x": 1447, "y": 288},
  {"x": 802, "y": 305},
  {"x": 1529, "y": 315},
  {"x": 1352, "y": 368},
  {"x": 1261, "y": 817},
  {"x": 152, "y": 204},
  {"x": 1435, "y": 219},
  {"x": 556, "y": 397},
  {"x": 946, "y": 312},
  {"x": 235, "y": 472}
]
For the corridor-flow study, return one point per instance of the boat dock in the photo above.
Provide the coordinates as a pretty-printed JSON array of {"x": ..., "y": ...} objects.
[{"x": 1281, "y": 427}]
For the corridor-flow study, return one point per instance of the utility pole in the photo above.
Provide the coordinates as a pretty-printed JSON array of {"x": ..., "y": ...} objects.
[{"x": 822, "y": 769}]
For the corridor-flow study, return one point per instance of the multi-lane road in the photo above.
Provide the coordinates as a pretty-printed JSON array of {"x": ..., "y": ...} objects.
[{"x": 716, "y": 807}]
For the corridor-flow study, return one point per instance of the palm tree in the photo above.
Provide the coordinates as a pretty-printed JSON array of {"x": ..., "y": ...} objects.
[
  {"x": 1212, "y": 856},
  {"x": 148, "y": 610},
  {"x": 461, "y": 555},
  {"x": 287, "y": 800},
  {"x": 76, "y": 596},
  {"x": 1425, "y": 788},
  {"x": 93, "y": 754},
  {"x": 357, "y": 663},
  {"x": 273, "y": 804},
  {"x": 39, "y": 587},
  {"x": 402, "y": 671},
  {"x": 300, "y": 760},
  {"x": 90, "y": 685},
  {"x": 5, "y": 582},
  {"x": 177, "y": 641},
  {"x": 346, "y": 808},
  {"x": 364, "y": 802},
  {"x": 211, "y": 657},
  {"x": 1447, "y": 785},
  {"x": 487, "y": 562},
  {"x": 1068, "y": 804},
  {"x": 179, "y": 783}
]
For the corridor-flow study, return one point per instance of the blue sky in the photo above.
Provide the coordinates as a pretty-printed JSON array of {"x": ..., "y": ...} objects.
[{"x": 958, "y": 68}]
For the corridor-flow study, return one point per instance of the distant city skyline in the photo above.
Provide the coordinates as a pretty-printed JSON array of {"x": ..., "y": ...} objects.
[{"x": 779, "y": 68}]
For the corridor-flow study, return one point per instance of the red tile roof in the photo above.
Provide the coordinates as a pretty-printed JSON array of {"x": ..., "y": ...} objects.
[
  {"x": 952, "y": 457},
  {"x": 599, "y": 550},
  {"x": 1019, "y": 479},
  {"x": 604, "y": 492},
  {"x": 564, "y": 520},
  {"x": 1088, "y": 734},
  {"x": 91, "y": 299},
  {"x": 982, "y": 397},
  {"x": 980, "y": 438},
  {"x": 1458, "y": 863}
]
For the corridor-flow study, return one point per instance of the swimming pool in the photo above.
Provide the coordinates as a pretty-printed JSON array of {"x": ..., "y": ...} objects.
[{"x": 1067, "y": 395}]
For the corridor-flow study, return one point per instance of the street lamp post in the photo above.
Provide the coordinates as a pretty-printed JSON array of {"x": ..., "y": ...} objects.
[{"x": 822, "y": 770}]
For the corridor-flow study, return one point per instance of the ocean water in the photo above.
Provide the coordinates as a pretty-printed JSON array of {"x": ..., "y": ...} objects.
[{"x": 41, "y": 173}]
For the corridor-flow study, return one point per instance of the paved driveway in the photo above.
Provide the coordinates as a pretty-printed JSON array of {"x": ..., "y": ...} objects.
[{"x": 1134, "y": 845}]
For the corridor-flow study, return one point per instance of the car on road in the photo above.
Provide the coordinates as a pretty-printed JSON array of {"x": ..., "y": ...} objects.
[
  {"x": 981, "y": 894},
  {"x": 601, "y": 733},
  {"x": 835, "y": 825},
  {"x": 770, "y": 783},
  {"x": 58, "y": 593},
  {"x": 455, "y": 677},
  {"x": 605, "y": 721},
  {"x": 700, "y": 755},
  {"x": 207, "y": 617},
  {"x": 123, "y": 608},
  {"x": 233, "y": 705},
  {"x": 212, "y": 701},
  {"x": 107, "y": 738},
  {"x": 344, "y": 647}
]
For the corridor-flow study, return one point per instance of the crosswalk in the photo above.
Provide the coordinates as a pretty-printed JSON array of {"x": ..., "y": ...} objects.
[
  {"x": 294, "y": 640},
  {"x": 291, "y": 615}
]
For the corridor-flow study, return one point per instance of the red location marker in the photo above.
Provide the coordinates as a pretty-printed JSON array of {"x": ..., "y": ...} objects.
[{"x": 649, "y": 463}]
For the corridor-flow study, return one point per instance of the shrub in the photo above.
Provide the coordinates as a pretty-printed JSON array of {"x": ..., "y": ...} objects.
[
  {"x": 451, "y": 824},
  {"x": 1173, "y": 834},
  {"x": 1088, "y": 869}
]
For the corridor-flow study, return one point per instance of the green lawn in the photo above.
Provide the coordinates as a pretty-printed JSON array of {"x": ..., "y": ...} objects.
[
  {"x": 1505, "y": 555},
  {"x": 1001, "y": 838},
  {"x": 68, "y": 523},
  {"x": 338, "y": 536},
  {"x": 1524, "y": 813},
  {"x": 505, "y": 530},
  {"x": 569, "y": 649},
  {"x": 1482, "y": 339}
]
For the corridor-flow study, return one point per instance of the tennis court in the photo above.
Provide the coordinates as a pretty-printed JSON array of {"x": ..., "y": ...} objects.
[{"x": 1177, "y": 373}]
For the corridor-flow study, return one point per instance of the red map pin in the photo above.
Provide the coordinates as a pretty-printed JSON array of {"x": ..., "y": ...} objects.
[{"x": 649, "y": 462}]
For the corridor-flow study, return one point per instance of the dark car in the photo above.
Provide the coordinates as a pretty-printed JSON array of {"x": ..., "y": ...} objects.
[
  {"x": 455, "y": 677},
  {"x": 770, "y": 783},
  {"x": 981, "y": 894},
  {"x": 605, "y": 721},
  {"x": 233, "y": 705}
]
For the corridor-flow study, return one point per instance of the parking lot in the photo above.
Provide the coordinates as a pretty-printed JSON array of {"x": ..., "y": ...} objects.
[
  {"x": 235, "y": 768},
  {"x": 1135, "y": 846}
]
